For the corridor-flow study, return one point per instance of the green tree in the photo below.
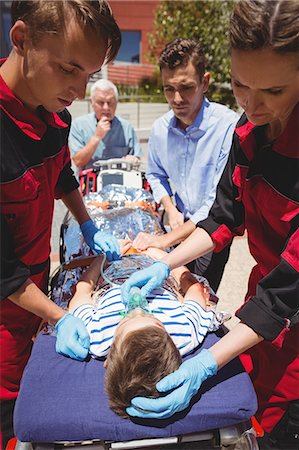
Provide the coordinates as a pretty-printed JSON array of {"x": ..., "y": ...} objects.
[{"x": 204, "y": 20}]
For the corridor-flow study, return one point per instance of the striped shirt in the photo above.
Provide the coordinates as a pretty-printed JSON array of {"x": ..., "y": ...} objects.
[{"x": 187, "y": 323}]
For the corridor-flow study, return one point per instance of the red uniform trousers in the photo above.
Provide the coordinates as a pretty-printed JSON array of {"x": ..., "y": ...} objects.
[
  {"x": 17, "y": 329},
  {"x": 274, "y": 370}
]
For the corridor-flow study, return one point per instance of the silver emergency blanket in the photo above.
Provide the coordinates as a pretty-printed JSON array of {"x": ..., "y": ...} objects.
[
  {"x": 119, "y": 210},
  {"x": 117, "y": 273},
  {"x": 64, "y": 282}
]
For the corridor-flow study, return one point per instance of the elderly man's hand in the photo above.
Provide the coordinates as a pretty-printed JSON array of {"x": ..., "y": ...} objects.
[
  {"x": 132, "y": 159},
  {"x": 146, "y": 240},
  {"x": 103, "y": 127}
]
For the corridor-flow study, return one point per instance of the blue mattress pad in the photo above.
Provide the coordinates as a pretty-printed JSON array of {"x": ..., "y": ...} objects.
[{"x": 64, "y": 400}]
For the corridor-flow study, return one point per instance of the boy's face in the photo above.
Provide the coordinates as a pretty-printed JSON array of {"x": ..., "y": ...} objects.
[
  {"x": 136, "y": 320},
  {"x": 55, "y": 71}
]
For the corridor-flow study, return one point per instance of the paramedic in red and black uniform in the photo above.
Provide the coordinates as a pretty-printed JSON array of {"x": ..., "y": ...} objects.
[
  {"x": 258, "y": 192},
  {"x": 49, "y": 66}
]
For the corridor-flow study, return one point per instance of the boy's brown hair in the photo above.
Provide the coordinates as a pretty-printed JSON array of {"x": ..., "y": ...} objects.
[
  {"x": 135, "y": 365},
  {"x": 52, "y": 17}
]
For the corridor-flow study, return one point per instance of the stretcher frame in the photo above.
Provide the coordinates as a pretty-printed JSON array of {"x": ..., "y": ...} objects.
[{"x": 240, "y": 436}]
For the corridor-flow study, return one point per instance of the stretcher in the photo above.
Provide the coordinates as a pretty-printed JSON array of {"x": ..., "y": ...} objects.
[
  {"x": 112, "y": 171},
  {"x": 62, "y": 402}
]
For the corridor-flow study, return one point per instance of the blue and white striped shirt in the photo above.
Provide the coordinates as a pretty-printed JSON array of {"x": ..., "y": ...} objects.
[{"x": 187, "y": 323}]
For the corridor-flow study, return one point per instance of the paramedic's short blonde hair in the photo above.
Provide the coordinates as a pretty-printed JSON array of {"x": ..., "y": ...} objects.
[
  {"x": 104, "y": 85},
  {"x": 135, "y": 365}
]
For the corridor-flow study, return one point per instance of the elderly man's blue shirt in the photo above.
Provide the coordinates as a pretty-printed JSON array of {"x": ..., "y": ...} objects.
[
  {"x": 189, "y": 163},
  {"x": 120, "y": 140}
]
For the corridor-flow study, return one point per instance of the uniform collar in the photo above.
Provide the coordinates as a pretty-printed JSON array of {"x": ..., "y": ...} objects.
[
  {"x": 286, "y": 144},
  {"x": 30, "y": 123}
]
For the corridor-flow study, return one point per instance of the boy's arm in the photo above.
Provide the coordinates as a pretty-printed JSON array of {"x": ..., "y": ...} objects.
[
  {"x": 191, "y": 288},
  {"x": 86, "y": 285}
]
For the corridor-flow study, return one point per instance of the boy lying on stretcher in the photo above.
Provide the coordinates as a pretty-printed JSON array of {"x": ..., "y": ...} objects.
[{"x": 145, "y": 344}]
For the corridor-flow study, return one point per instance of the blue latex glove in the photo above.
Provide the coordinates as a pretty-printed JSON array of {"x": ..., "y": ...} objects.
[
  {"x": 146, "y": 279},
  {"x": 72, "y": 337},
  {"x": 185, "y": 381},
  {"x": 100, "y": 241}
]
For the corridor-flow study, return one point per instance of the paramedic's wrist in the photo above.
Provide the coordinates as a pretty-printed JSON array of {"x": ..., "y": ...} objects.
[
  {"x": 167, "y": 266},
  {"x": 164, "y": 261},
  {"x": 54, "y": 320}
]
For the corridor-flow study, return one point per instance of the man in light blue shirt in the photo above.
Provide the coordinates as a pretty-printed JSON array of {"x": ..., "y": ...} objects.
[
  {"x": 101, "y": 134},
  {"x": 188, "y": 150}
]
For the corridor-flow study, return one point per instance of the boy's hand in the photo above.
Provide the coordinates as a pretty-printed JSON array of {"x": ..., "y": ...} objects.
[
  {"x": 125, "y": 245},
  {"x": 145, "y": 240}
]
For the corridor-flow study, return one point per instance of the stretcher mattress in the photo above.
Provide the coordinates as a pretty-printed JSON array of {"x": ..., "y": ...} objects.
[{"x": 64, "y": 400}]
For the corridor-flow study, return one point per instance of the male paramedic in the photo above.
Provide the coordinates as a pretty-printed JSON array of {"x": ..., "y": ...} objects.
[
  {"x": 188, "y": 149},
  {"x": 101, "y": 134},
  {"x": 56, "y": 47}
]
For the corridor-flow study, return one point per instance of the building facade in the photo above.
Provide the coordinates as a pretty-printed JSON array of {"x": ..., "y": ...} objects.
[{"x": 135, "y": 20}]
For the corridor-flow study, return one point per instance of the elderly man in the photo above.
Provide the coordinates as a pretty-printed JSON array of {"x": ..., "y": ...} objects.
[
  {"x": 188, "y": 150},
  {"x": 101, "y": 134}
]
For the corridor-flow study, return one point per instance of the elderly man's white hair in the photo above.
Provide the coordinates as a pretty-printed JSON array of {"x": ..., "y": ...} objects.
[{"x": 103, "y": 85}]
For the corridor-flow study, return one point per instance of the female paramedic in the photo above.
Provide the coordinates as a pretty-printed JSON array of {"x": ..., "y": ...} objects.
[
  {"x": 259, "y": 192},
  {"x": 56, "y": 46}
]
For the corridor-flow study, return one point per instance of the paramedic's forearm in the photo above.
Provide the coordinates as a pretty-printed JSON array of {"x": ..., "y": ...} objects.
[
  {"x": 73, "y": 201},
  {"x": 31, "y": 298},
  {"x": 177, "y": 235},
  {"x": 235, "y": 342},
  {"x": 84, "y": 155},
  {"x": 199, "y": 243}
]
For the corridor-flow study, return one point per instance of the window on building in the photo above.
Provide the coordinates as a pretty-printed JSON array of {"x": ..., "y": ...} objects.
[
  {"x": 5, "y": 45},
  {"x": 130, "y": 47}
]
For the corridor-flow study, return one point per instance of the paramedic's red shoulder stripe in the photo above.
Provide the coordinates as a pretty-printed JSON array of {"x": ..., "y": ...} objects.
[{"x": 291, "y": 253}]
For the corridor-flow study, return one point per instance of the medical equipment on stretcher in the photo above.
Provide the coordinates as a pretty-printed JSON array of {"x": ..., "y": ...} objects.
[
  {"x": 112, "y": 171},
  {"x": 62, "y": 402}
]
